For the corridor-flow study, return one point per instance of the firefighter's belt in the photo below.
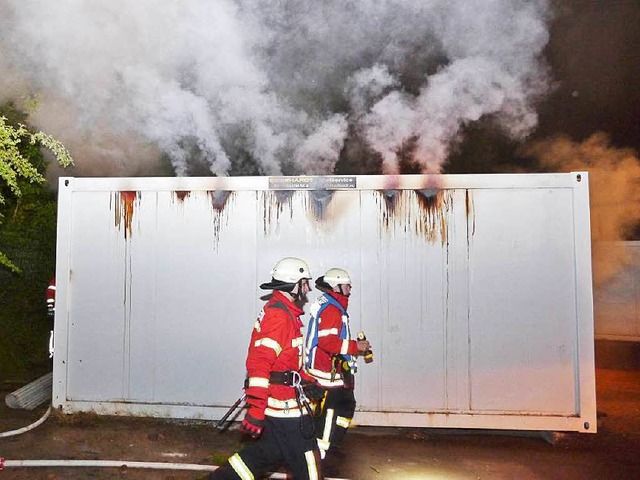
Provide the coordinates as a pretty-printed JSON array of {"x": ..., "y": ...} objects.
[{"x": 285, "y": 378}]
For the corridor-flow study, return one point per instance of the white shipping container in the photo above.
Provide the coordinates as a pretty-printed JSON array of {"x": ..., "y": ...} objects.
[{"x": 475, "y": 291}]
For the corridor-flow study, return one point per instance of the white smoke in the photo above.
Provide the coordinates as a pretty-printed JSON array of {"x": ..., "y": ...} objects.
[
  {"x": 494, "y": 68},
  {"x": 323, "y": 146},
  {"x": 614, "y": 191},
  {"x": 281, "y": 83}
]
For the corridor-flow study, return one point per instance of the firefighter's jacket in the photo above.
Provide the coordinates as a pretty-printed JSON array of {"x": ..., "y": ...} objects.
[
  {"x": 51, "y": 296},
  {"x": 329, "y": 338},
  {"x": 276, "y": 346}
]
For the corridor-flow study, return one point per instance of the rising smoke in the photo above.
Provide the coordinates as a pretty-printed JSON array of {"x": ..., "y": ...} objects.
[
  {"x": 270, "y": 87},
  {"x": 614, "y": 184}
]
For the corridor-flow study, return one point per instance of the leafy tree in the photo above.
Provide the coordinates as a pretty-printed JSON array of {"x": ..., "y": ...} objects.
[{"x": 16, "y": 167}]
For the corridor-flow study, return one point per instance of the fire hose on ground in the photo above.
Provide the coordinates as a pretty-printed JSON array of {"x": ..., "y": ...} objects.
[
  {"x": 40, "y": 421},
  {"x": 123, "y": 464},
  {"x": 4, "y": 463}
]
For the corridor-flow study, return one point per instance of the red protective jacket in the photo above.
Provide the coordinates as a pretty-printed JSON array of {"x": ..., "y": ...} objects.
[
  {"x": 276, "y": 346},
  {"x": 330, "y": 344},
  {"x": 51, "y": 295}
]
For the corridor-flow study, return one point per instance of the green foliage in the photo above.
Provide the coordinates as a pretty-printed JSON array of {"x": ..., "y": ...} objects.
[
  {"x": 17, "y": 166},
  {"x": 27, "y": 247},
  {"x": 28, "y": 237}
]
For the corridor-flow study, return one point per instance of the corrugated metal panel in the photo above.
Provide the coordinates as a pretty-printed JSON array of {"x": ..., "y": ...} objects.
[{"x": 474, "y": 290}]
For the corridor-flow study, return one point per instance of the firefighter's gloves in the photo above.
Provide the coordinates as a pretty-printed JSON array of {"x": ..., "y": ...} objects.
[
  {"x": 252, "y": 426},
  {"x": 254, "y": 419},
  {"x": 363, "y": 346}
]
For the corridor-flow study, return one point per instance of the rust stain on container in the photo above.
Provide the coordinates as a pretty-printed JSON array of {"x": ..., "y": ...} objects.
[
  {"x": 219, "y": 200},
  {"x": 274, "y": 203},
  {"x": 433, "y": 204},
  {"x": 124, "y": 210},
  {"x": 390, "y": 198},
  {"x": 471, "y": 215},
  {"x": 322, "y": 207},
  {"x": 422, "y": 212},
  {"x": 181, "y": 194},
  {"x": 319, "y": 201}
]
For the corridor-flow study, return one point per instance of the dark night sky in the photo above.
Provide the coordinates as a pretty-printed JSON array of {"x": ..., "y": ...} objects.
[
  {"x": 594, "y": 57},
  {"x": 594, "y": 54}
]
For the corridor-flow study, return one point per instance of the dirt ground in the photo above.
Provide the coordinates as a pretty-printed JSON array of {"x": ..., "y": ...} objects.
[{"x": 374, "y": 453}]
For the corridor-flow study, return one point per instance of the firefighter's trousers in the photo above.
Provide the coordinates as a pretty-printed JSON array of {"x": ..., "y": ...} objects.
[
  {"x": 335, "y": 417},
  {"x": 282, "y": 441}
]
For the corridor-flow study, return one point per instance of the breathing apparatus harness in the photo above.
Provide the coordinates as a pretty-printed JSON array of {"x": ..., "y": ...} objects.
[{"x": 344, "y": 363}]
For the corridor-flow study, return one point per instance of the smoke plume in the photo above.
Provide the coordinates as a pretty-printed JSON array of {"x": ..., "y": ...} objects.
[
  {"x": 248, "y": 87},
  {"x": 614, "y": 187}
]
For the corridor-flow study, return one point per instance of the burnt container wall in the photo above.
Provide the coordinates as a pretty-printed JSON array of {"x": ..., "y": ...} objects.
[{"x": 474, "y": 290}]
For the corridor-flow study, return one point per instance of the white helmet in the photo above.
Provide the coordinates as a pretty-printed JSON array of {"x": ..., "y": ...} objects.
[
  {"x": 336, "y": 276},
  {"x": 287, "y": 273},
  {"x": 291, "y": 270}
]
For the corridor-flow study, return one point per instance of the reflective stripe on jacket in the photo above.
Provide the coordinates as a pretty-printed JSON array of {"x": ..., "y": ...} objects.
[{"x": 328, "y": 335}]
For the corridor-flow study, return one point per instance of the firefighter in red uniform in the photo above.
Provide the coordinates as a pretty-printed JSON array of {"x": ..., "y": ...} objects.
[
  {"x": 277, "y": 412},
  {"x": 51, "y": 310},
  {"x": 330, "y": 358},
  {"x": 51, "y": 298}
]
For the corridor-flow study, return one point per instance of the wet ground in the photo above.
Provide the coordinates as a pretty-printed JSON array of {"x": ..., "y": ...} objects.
[{"x": 373, "y": 453}]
